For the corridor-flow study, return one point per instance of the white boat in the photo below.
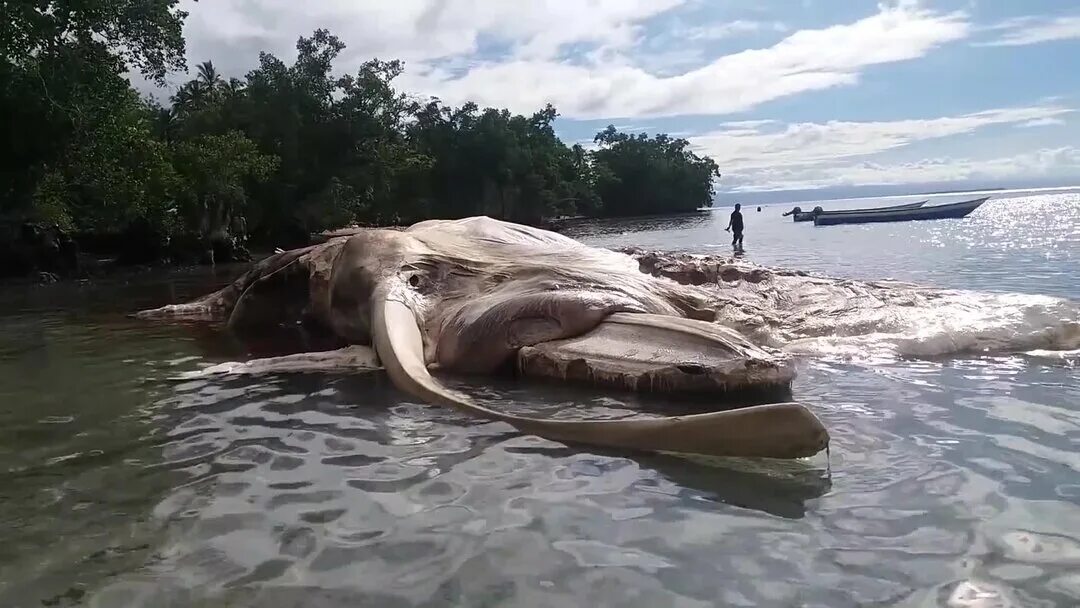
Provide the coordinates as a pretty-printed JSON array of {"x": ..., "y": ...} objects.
[
  {"x": 807, "y": 216},
  {"x": 934, "y": 212}
]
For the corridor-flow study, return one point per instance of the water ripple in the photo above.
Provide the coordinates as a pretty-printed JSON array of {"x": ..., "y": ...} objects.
[{"x": 953, "y": 481}]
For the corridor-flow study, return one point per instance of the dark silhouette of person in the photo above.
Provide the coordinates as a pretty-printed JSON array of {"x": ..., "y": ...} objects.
[{"x": 735, "y": 226}]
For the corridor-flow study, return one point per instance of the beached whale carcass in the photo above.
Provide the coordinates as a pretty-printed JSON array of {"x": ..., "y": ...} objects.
[{"x": 478, "y": 295}]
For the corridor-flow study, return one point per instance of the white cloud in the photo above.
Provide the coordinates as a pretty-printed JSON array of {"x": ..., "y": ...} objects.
[
  {"x": 1032, "y": 30},
  {"x": 769, "y": 155},
  {"x": 591, "y": 58},
  {"x": 748, "y": 124},
  {"x": 1047, "y": 161},
  {"x": 232, "y": 32},
  {"x": 1042, "y": 122},
  {"x": 719, "y": 31},
  {"x": 746, "y": 146},
  {"x": 615, "y": 86},
  {"x": 680, "y": 47},
  {"x": 609, "y": 59},
  {"x": 671, "y": 61}
]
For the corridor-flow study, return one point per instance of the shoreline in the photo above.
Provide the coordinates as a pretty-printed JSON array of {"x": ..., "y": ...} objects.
[{"x": 96, "y": 264}]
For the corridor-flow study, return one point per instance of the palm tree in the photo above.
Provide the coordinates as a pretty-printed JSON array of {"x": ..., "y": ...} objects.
[
  {"x": 165, "y": 122},
  {"x": 182, "y": 97},
  {"x": 189, "y": 96},
  {"x": 209, "y": 75},
  {"x": 233, "y": 87}
]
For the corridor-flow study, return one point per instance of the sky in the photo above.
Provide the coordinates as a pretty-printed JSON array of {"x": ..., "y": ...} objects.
[{"x": 823, "y": 97}]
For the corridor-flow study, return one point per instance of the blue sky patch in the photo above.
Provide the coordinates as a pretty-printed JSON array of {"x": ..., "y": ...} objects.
[{"x": 819, "y": 95}]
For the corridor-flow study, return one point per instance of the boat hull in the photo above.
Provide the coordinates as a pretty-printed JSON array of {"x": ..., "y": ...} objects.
[
  {"x": 936, "y": 212},
  {"x": 808, "y": 216}
]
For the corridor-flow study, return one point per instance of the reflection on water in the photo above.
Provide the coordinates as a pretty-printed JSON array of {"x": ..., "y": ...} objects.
[
  {"x": 952, "y": 482},
  {"x": 1009, "y": 244}
]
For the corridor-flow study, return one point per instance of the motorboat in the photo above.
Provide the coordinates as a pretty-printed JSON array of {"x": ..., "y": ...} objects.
[
  {"x": 808, "y": 216},
  {"x": 933, "y": 212}
]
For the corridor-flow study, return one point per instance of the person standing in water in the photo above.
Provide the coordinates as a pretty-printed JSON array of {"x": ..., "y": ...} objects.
[{"x": 735, "y": 226}]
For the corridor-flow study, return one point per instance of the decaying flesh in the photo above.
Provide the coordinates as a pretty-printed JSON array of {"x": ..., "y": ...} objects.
[{"x": 474, "y": 295}]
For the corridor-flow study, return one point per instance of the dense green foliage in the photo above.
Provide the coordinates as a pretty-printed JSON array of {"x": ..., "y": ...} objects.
[
  {"x": 641, "y": 176},
  {"x": 284, "y": 152}
]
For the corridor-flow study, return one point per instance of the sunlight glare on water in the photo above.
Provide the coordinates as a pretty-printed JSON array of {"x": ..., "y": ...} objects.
[
  {"x": 1008, "y": 244},
  {"x": 953, "y": 481}
]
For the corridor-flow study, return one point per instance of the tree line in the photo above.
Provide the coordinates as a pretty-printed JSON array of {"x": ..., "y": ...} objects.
[{"x": 225, "y": 165}]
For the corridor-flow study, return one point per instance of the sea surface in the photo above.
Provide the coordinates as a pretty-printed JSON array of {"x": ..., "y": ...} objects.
[{"x": 953, "y": 478}]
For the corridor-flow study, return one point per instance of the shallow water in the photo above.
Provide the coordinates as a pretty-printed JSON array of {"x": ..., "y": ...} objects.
[{"x": 953, "y": 481}]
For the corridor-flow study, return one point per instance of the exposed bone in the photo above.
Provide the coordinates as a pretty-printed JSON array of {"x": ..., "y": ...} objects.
[
  {"x": 783, "y": 430},
  {"x": 648, "y": 353}
]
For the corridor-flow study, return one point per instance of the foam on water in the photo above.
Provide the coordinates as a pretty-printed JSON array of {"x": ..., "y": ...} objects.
[
  {"x": 950, "y": 323},
  {"x": 868, "y": 320},
  {"x": 1054, "y": 354}
]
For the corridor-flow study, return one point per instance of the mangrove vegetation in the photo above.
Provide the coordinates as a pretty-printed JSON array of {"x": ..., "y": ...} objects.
[{"x": 220, "y": 166}]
